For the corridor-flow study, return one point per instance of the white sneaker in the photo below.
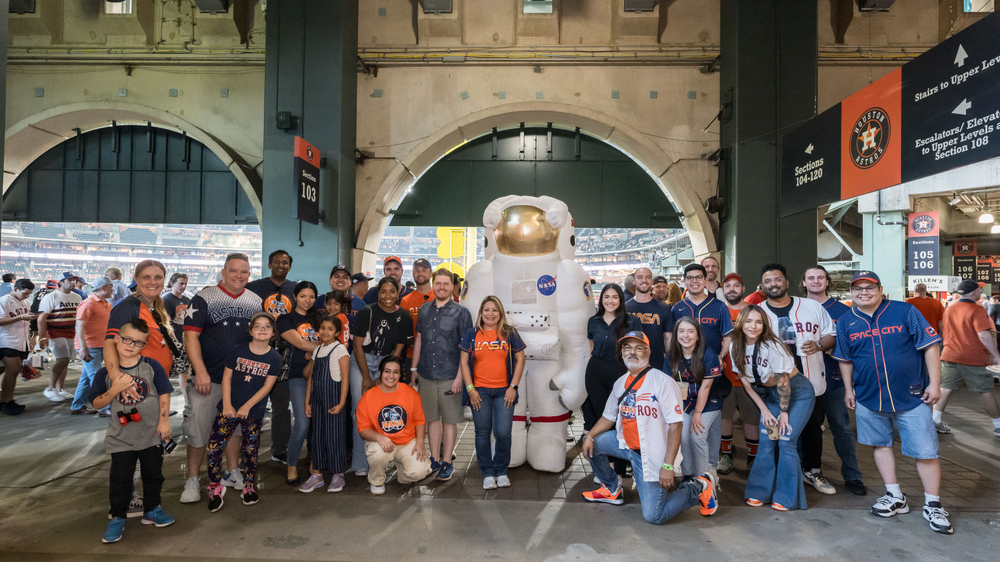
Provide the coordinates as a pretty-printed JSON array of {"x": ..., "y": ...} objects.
[
  {"x": 64, "y": 394},
  {"x": 489, "y": 483},
  {"x": 53, "y": 395},
  {"x": 819, "y": 482},
  {"x": 503, "y": 481},
  {"x": 938, "y": 518},
  {"x": 192, "y": 490},
  {"x": 377, "y": 490},
  {"x": 233, "y": 479},
  {"x": 362, "y": 472}
]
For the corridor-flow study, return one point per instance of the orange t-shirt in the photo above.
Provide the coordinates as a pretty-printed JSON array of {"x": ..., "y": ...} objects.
[
  {"x": 930, "y": 308},
  {"x": 395, "y": 415},
  {"x": 727, "y": 363},
  {"x": 94, "y": 312},
  {"x": 412, "y": 303},
  {"x": 962, "y": 320},
  {"x": 627, "y": 410},
  {"x": 491, "y": 360},
  {"x": 345, "y": 329}
]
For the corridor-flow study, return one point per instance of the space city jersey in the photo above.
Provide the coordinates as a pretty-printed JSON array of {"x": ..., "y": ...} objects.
[
  {"x": 387, "y": 329},
  {"x": 150, "y": 382},
  {"x": 655, "y": 318},
  {"x": 61, "y": 321},
  {"x": 393, "y": 414},
  {"x": 713, "y": 371},
  {"x": 713, "y": 317},
  {"x": 250, "y": 372},
  {"x": 222, "y": 319},
  {"x": 276, "y": 300},
  {"x": 887, "y": 350}
]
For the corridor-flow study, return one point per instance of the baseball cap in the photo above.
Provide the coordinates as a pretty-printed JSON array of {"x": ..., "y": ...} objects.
[
  {"x": 967, "y": 287},
  {"x": 359, "y": 277},
  {"x": 422, "y": 263},
  {"x": 340, "y": 267},
  {"x": 659, "y": 279},
  {"x": 68, "y": 275},
  {"x": 865, "y": 275},
  {"x": 100, "y": 282},
  {"x": 50, "y": 284},
  {"x": 388, "y": 259},
  {"x": 635, "y": 335},
  {"x": 735, "y": 276},
  {"x": 132, "y": 286}
]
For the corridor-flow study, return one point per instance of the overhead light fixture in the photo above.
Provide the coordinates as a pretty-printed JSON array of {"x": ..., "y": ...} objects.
[
  {"x": 985, "y": 218},
  {"x": 995, "y": 229},
  {"x": 955, "y": 201}
]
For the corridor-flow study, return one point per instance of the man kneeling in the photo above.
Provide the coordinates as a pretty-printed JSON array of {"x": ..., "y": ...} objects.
[
  {"x": 391, "y": 421},
  {"x": 645, "y": 409}
]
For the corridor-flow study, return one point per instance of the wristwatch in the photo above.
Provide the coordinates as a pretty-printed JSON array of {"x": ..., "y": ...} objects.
[
  {"x": 413, "y": 368},
  {"x": 514, "y": 386}
]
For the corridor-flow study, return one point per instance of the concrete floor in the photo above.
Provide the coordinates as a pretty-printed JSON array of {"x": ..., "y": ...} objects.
[{"x": 53, "y": 501}]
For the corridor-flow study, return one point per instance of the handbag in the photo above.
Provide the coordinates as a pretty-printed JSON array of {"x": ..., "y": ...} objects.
[{"x": 368, "y": 334}]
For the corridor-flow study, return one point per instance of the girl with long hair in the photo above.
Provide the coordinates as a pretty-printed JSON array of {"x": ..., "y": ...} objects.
[
  {"x": 786, "y": 402},
  {"x": 695, "y": 368},
  {"x": 492, "y": 363},
  {"x": 298, "y": 329}
]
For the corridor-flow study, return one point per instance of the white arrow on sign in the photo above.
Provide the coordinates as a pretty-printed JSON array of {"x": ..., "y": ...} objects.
[
  {"x": 963, "y": 107},
  {"x": 809, "y": 149},
  {"x": 961, "y": 56}
]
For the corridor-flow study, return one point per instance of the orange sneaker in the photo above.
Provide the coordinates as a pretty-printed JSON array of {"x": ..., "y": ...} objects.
[
  {"x": 709, "y": 502},
  {"x": 754, "y": 503},
  {"x": 778, "y": 507},
  {"x": 604, "y": 495}
]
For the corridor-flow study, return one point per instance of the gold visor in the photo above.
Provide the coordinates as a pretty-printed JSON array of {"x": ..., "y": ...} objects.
[{"x": 525, "y": 232}]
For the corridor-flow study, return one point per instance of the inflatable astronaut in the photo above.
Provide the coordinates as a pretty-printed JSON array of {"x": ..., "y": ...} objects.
[{"x": 529, "y": 265}]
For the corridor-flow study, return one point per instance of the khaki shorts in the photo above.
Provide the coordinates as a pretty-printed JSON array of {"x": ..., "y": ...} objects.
[
  {"x": 199, "y": 415},
  {"x": 739, "y": 399},
  {"x": 438, "y": 405},
  {"x": 977, "y": 379},
  {"x": 62, "y": 348}
]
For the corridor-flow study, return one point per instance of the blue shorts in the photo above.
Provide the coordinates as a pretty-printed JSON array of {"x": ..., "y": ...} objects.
[{"x": 917, "y": 435}]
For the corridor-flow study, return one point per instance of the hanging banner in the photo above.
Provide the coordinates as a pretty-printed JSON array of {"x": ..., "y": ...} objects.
[
  {"x": 924, "y": 237},
  {"x": 984, "y": 269},
  {"x": 306, "y": 169},
  {"x": 964, "y": 260},
  {"x": 996, "y": 270}
]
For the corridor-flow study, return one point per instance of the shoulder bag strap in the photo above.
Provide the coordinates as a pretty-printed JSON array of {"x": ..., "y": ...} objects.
[
  {"x": 635, "y": 380},
  {"x": 753, "y": 364},
  {"x": 167, "y": 339}
]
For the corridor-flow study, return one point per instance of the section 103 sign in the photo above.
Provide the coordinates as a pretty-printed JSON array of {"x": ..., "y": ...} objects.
[
  {"x": 306, "y": 182},
  {"x": 923, "y": 243}
]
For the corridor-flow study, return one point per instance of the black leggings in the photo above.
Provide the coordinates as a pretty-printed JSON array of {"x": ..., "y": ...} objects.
[{"x": 600, "y": 381}]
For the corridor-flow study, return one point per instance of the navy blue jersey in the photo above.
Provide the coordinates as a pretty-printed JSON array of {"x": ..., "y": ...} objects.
[
  {"x": 834, "y": 381},
  {"x": 656, "y": 319},
  {"x": 250, "y": 372},
  {"x": 886, "y": 349},
  {"x": 716, "y": 322},
  {"x": 223, "y": 321}
]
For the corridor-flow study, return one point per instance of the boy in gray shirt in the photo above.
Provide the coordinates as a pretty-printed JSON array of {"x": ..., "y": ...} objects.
[{"x": 140, "y": 410}]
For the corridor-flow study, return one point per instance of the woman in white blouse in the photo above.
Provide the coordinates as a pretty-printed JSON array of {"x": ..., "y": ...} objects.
[{"x": 785, "y": 400}]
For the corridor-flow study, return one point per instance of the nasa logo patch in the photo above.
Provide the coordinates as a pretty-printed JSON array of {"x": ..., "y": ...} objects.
[
  {"x": 392, "y": 419},
  {"x": 586, "y": 290},
  {"x": 547, "y": 285}
]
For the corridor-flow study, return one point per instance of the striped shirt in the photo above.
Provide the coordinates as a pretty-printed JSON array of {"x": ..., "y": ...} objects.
[{"x": 61, "y": 309}]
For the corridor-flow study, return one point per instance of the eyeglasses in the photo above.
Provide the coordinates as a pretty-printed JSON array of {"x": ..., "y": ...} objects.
[
  {"x": 635, "y": 348},
  {"x": 694, "y": 277},
  {"x": 262, "y": 328},
  {"x": 773, "y": 282},
  {"x": 864, "y": 289},
  {"x": 134, "y": 343}
]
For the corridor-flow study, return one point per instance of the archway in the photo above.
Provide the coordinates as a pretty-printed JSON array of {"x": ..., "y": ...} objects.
[
  {"x": 595, "y": 124},
  {"x": 29, "y": 138}
]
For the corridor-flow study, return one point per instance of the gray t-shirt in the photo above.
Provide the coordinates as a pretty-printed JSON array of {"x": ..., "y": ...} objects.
[{"x": 151, "y": 382}]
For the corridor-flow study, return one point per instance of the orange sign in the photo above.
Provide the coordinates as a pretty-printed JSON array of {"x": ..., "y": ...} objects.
[{"x": 871, "y": 137}]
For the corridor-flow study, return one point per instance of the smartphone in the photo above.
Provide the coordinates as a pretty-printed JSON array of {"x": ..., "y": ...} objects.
[{"x": 448, "y": 392}]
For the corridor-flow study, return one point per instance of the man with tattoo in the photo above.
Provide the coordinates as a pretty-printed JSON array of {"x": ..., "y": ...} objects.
[
  {"x": 892, "y": 376},
  {"x": 808, "y": 331}
]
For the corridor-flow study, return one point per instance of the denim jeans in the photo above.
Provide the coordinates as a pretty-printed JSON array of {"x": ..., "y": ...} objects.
[
  {"x": 359, "y": 461},
  {"x": 300, "y": 427},
  {"x": 658, "y": 505},
  {"x": 493, "y": 417},
  {"x": 781, "y": 482},
  {"x": 695, "y": 448},
  {"x": 90, "y": 369}
]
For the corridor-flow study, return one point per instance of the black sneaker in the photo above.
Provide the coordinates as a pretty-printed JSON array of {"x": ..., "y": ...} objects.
[
  {"x": 282, "y": 458},
  {"x": 889, "y": 505},
  {"x": 12, "y": 408},
  {"x": 856, "y": 487},
  {"x": 249, "y": 494},
  {"x": 215, "y": 494}
]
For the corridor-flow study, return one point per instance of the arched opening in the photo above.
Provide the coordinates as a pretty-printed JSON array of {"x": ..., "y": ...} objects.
[
  {"x": 650, "y": 157},
  {"x": 30, "y": 138}
]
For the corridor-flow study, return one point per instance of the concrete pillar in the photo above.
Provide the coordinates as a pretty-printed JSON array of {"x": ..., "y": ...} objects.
[
  {"x": 884, "y": 250},
  {"x": 768, "y": 83},
  {"x": 310, "y": 70},
  {"x": 4, "y": 9}
]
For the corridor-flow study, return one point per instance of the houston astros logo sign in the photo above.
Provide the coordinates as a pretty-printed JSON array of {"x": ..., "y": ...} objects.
[
  {"x": 870, "y": 138},
  {"x": 923, "y": 224},
  {"x": 964, "y": 248}
]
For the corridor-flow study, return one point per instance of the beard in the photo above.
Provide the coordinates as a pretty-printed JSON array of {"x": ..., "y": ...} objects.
[
  {"x": 775, "y": 292},
  {"x": 633, "y": 362},
  {"x": 734, "y": 298}
]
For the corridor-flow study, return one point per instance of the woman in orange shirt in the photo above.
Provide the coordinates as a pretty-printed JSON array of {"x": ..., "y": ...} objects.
[{"x": 492, "y": 363}]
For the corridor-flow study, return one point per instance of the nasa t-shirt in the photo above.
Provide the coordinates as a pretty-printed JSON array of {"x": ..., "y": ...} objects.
[
  {"x": 250, "y": 372},
  {"x": 276, "y": 300},
  {"x": 150, "y": 381},
  {"x": 300, "y": 325},
  {"x": 393, "y": 414}
]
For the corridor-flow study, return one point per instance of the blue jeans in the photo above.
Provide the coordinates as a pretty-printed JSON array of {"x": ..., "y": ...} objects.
[
  {"x": 843, "y": 436},
  {"x": 658, "y": 505},
  {"x": 300, "y": 426},
  {"x": 90, "y": 369},
  {"x": 493, "y": 417},
  {"x": 781, "y": 482},
  {"x": 359, "y": 461}
]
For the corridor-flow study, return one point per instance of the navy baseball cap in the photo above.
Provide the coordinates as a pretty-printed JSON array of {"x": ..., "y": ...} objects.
[
  {"x": 422, "y": 263},
  {"x": 340, "y": 267},
  {"x": 68, "y": 275},
  {"x": 865, "y": 275},
  {"x": 634, "y": 335},
  {"x": 359, "y": 277},
  {"x": 967, "y": 287}
]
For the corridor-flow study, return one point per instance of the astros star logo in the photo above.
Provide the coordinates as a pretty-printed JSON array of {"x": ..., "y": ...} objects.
[{"x": 868, "y": 137}]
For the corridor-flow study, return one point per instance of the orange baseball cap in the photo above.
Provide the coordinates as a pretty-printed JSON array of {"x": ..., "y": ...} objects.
[{"x": 634, "y": 335}]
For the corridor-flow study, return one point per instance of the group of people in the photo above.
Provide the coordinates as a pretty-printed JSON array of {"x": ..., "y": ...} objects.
[{"x": 664, "y": 382}]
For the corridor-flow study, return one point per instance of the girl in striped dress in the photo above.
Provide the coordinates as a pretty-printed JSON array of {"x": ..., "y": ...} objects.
[{"x": 326, "y": 398}]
